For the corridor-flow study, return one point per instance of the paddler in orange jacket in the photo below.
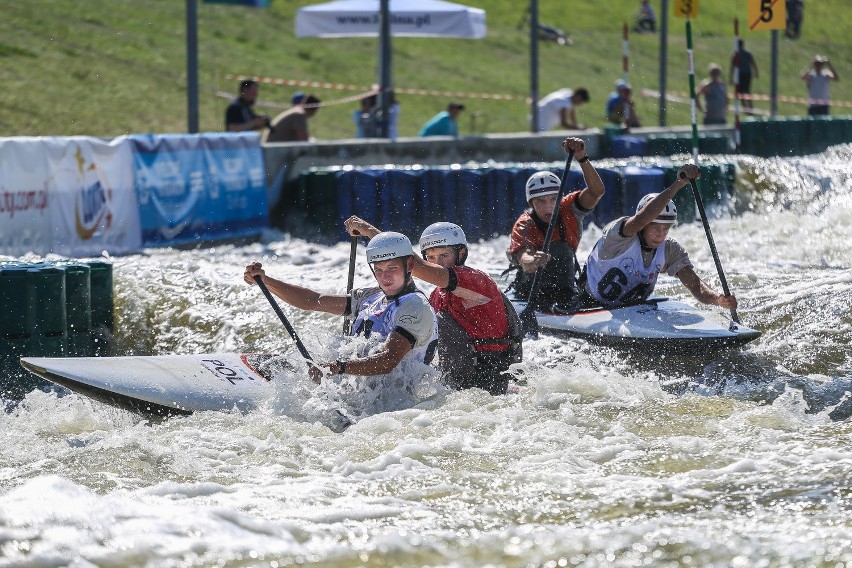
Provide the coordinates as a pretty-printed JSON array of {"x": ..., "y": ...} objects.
[{"x": 558, "y": 285}]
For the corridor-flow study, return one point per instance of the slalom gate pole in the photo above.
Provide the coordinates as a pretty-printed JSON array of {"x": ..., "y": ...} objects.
[
  {"x": 695, "y": 193},
  {"x": 736, "y": 71}
]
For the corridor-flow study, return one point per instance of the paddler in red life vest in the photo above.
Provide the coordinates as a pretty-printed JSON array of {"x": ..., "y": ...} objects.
[
  {"x": 557, "y": 278},
  {"x": 479, "y": 334},
  {"x": 624, "y": 264},
  {"x": 395, "y": 310}
]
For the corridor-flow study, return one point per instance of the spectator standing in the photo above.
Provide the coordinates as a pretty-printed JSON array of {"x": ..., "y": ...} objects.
[
  {"x": 795, "y": 15},
  {"x": 715, "y": 107},
  {"x": 240, "y": 115},
  {"x": 364, "y": 118},
  {"x": 743, "y": 61},
  {"x": 557, "y": 109},
  {"x": 292, "y": 124},
  {"x": 297, "y": 98},
  {"x": 620, "y": 108},
  {"x": 645, "y": 18},
  {"x": 444, "y": 123},
  {"x": 393, "y": 117},
  {"x": 817, "y": 76}
]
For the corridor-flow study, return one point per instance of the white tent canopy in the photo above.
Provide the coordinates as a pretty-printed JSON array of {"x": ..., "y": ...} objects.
[{"x": 411, "y": 18}]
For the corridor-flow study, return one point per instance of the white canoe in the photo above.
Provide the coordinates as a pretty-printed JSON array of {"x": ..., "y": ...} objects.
[
  {"x": 162, "y": 385},
  {"x": 660, "y": 323}
]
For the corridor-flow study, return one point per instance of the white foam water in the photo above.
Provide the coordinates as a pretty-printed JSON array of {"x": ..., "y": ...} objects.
[{"x": 600, "y": 459}]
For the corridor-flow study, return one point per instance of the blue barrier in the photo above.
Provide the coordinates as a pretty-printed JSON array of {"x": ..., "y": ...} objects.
[
  {"x": 519, "y": 192},
  {"x": 611, "y": 205},
  {"x": 358, "y": 193},
  {"x": 440, "y": 198},
  {"x": 400, "y": 191},
  {"x": 472, "y": 211},
  {"x": 625, "y": 146},
  {"x": 638, "y": 182},
  {"x": 500, "y": 193}
]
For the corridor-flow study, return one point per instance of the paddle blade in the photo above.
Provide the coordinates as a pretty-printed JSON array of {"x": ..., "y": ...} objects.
[{"x": 529, "y": 324}]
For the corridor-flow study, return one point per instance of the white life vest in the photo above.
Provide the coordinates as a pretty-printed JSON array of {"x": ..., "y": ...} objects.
[
  {"x": 377, "y": 315},
  {"x": 623, "y": 280}
]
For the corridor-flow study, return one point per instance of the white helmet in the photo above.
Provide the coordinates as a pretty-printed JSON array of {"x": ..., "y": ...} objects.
[
  {"x": 542, "y": 183},
  {"x": 667, "y": 215},
  {"x": 442, "y": 235},
  {"x": 388, "y": 246}
]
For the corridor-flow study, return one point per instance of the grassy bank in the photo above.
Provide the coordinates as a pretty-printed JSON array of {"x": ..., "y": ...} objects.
[{"x": 112, "y": 67}]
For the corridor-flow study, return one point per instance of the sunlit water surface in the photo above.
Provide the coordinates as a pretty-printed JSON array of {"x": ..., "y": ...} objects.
[{"x": 738, "y": 459}]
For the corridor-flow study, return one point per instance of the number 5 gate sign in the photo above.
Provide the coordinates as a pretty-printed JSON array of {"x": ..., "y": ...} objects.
[{"x": 767, "y": 15}]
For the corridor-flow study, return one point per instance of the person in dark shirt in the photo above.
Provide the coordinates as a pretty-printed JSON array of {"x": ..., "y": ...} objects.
[{"x": 240, "y": 116}]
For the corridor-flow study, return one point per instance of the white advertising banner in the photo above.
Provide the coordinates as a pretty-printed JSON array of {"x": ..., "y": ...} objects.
[{"x": 72, "y": 196}]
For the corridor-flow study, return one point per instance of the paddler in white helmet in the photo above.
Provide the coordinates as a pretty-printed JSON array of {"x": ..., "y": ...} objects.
[
  {"x": 479, "y": 332},
  {"x": 394, "y": 310},
  {"x": 624, "y": 264},
  {"x": 526, "y": 244}
]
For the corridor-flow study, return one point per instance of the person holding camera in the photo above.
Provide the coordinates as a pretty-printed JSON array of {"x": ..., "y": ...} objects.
[{"x": 240, "y": 115}]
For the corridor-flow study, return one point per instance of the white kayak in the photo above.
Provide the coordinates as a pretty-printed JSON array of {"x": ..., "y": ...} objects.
[
  {"x": 660, "y": 323},
  {"x": 164, "y": 384}
]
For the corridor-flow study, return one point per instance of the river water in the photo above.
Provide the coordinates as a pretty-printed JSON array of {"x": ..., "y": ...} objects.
[{"x": 601, "y": 459}]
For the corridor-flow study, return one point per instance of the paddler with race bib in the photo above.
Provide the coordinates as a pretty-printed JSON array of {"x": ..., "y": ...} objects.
[
  {"x": 559, "y": 267},
  {"x": 624, "y": 264},
  {"x": 395, "y": 312},
  {"x": 478, "y": 330}
]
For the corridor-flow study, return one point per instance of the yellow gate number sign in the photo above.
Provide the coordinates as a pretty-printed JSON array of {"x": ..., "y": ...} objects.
[
  {"x": 686, "y": 8},
  {"x": 767, "y": 14}
]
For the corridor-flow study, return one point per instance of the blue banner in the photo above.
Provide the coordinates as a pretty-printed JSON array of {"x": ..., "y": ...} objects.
[{"x": 199, "y": 187}]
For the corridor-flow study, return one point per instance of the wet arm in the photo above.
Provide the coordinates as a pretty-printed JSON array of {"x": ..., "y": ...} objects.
[
  {"x": 297, "y": 296},
  {"x": 702, "y": 292},
  {"x": 383, "y": 361}
]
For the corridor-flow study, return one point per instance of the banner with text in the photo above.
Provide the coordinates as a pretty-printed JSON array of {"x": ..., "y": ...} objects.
[
  {"x": 72, "y": 196},
  {"x": 199, "y": 187}
]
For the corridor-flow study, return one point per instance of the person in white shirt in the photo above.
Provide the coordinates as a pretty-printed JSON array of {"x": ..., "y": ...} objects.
[
  {"x": 557, "y": 109},
  {"x": 817, "y": 76},
  {"x": 624, "y": 264}
]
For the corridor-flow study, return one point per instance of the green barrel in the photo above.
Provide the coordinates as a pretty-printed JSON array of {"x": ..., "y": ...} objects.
[
  {"x": 78, "y": 308},
  {"x": 729, "y": 176},
  {"x": 681, "y": 145},
  {"x": 750, "y": 137},
  {"x": 317, "y": 201},
  {"x": 656, "y": 145},
  {"x": 769, "y": 137},
  {"x": 818, "y": 133},
  {"x": 794, "y": 135},
  {"x": 102, "y": 302},
  {"x": 836, "y": 130},
  {"x": 17, "y": 326},
  {"x": 51, "y": 319},
  {"x": 847, "y": 129},
  {"x": 714, "y": 144},
  {"x": 712, "y": 185},
  {"x": 17, "y": 306},
  {"x": 685, "y": 203}
]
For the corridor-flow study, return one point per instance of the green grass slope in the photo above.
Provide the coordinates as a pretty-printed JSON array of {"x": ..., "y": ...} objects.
[{"x": 112, "y": 67}]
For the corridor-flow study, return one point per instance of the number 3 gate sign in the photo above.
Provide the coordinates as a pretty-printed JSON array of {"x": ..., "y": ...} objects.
[
  {"x": 767, "y": 15},
  {"x": 686, "y": 8}
]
